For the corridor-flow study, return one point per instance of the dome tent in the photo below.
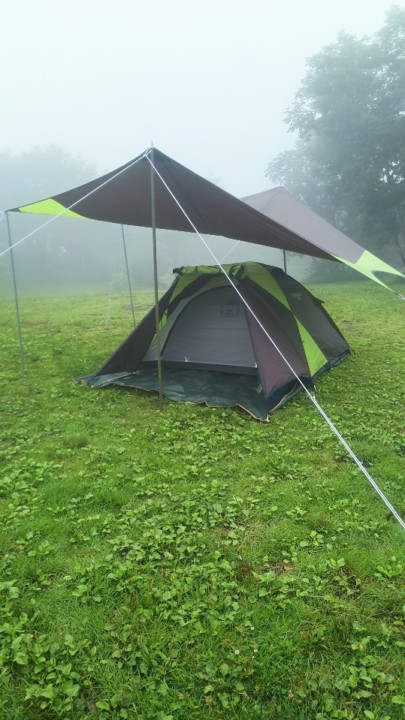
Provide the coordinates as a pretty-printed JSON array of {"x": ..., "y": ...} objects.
[{"x": 214, "y": 351}]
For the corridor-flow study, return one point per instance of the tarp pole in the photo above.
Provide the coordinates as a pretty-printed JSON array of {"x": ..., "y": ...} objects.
[
  {"x": 17, "y": 309},
  {"x": 128, "y": 276},
  {"x": 155, "y": 275},
  {"x": 108, "y": 311},
  {"x": 285, "y": 261}
]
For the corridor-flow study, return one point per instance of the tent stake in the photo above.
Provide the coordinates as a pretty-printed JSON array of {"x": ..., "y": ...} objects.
[
  {"x": 128, "y": 276},
  {"x": 155, "y": 275},
  {"x": 285, "y": 261},
  {"x": 17, "y": 309}
]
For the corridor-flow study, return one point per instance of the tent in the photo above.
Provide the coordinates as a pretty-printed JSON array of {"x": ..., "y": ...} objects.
[{"x": 214, "y": 351}]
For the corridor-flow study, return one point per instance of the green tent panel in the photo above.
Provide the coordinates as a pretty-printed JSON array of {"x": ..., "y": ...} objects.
[{"x": 213, "y": 350}]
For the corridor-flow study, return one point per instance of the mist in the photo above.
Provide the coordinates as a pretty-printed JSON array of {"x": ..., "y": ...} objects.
[
  {"x": 72, "y": 256},
  {"x": 208, "y": 84}
]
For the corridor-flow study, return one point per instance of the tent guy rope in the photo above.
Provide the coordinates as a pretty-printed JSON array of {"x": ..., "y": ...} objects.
[{"x": 311, "y": 397}]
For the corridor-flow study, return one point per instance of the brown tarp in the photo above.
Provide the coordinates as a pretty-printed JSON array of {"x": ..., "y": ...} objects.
[
  {"x": 272, "y": 218},
  {"x": 124, "y": 196},
  {"x": 278, "y": 205}
]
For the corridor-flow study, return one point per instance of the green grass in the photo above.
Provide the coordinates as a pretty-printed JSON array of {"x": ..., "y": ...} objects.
[{"x": 195, "y": 563}]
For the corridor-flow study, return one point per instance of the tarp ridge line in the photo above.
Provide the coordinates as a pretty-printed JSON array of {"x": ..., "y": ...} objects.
[
  {"x": 313, "y": 399},
  {"x": 65, "y": 210}
]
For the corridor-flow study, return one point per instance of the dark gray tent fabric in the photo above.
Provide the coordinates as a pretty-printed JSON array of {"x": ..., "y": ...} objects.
[
  {"x": 129, "y": 355},
  {"x": 202, "y": 387},
  {"x": 274, "y": 373},
  {"x": 210, "y": 330}
]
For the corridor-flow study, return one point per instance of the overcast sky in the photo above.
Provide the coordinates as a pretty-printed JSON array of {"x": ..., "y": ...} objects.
[{"x": 207, "y": 81}]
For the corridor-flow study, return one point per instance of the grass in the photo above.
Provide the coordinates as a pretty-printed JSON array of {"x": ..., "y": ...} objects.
[{"x": 195, "y": 563}]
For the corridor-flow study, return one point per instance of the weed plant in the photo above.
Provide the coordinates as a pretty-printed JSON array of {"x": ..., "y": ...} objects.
[{"x": 194, "y": 563}]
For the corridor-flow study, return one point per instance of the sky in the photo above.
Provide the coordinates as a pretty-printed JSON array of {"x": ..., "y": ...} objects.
[{"x": 208, "y": 83}]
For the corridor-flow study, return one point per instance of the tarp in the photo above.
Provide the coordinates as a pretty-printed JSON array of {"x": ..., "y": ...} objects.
[
  {"x": 279, "y": 205},
  {"x": 275, "y": 220},
  {"x": 124, "y": 196}
]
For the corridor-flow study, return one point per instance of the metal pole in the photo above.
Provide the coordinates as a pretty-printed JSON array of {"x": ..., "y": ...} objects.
[
  {"x": 128, "y": 277},
  {"x": 155, "y": 275},
  {"x": 17, "y": 309},
  {"x": 285, "y": 261},
  {"x": 108, "y": 311}
]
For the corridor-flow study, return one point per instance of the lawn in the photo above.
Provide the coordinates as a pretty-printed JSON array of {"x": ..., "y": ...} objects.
[{"x": 195, "y": 563}]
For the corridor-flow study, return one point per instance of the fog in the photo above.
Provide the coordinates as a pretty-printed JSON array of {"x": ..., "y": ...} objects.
[
  {"x": 80, "y": 256},
  {"x": 207, "y": 83}
]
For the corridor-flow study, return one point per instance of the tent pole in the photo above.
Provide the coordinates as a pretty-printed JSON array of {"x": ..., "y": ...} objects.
[
  {"x": 17, "y": 309},
  {"x": 285, "y": 261},
  {"x": 128, "y": 277},
  {"x": 155, "y": 275}
]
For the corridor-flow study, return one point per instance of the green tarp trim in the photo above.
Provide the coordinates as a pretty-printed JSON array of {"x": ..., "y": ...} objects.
[
  {"x": 214, "y": 389},
  {"x": 368, "y": 264},
  {"x": 49, "y": 207}
]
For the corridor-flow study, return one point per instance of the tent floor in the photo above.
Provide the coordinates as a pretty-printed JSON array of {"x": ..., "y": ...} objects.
[{"x": 215, "y": 389}]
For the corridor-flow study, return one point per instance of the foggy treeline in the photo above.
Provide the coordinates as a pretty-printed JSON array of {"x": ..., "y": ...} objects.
[{"x": 349, "y": 160}]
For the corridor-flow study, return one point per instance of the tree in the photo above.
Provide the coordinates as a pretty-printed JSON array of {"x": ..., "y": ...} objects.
[
  {"x": 349, "y": 161},
  {"x": 72, "y": 253},
  {"x": 31, "y": 176},
  {"x": 39, "y": 173}
]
